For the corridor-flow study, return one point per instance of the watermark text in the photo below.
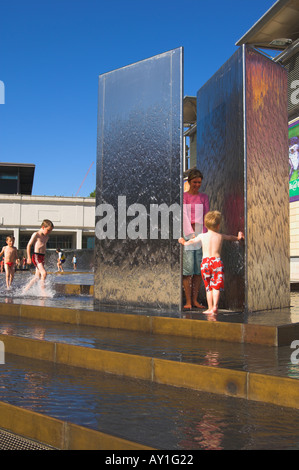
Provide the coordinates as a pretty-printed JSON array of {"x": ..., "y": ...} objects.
[
  {"x": 136, "y": 221},
  {"x": 295, "y": 94},
  {"x": 295, "y": 354}
]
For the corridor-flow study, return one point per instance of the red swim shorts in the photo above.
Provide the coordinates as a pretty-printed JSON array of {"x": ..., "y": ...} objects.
[
  {"x": 212, "y": 272},
  {"x": 9, "y": 263},
  {"x": 38, "y": 258}
]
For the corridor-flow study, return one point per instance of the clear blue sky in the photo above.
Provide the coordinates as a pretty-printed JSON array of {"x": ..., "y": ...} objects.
[{"x": 52, "y": 52}]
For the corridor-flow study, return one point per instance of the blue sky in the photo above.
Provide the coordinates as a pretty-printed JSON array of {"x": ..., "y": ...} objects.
[{"x": 52, "y": 52}]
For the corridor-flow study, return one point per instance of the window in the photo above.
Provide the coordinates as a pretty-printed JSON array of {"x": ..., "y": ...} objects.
[
  {"x": 60, "y": 241},
  {"x": 88, "y": 242},
  {"x": 54, "y": 242}
]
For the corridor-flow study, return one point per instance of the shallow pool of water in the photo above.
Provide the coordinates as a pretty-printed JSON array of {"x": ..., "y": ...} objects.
[{"x": 159, "y": 416}]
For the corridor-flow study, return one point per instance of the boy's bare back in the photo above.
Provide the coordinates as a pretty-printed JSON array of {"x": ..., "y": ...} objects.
[
  {"x": 211, "y": 244},
  {"x": 212, "y": 240}
]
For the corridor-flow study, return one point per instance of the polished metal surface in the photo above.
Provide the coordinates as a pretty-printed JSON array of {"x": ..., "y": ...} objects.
[
  {"x": 220, "y": 157},
  {"x": 267, "y": 185},
  {"x": 139, "y": 165},
  {"x": 242, "y": 152}
]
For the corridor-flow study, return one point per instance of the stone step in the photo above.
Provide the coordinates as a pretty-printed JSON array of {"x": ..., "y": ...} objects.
[
  {"x": 77, "y": 408},
  {"x": 271, "y": 329},
  {"x": 252, "y": 372}
]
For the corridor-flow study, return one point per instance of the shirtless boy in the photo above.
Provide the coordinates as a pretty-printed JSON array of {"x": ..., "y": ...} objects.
[
  {"x": 10, "y": 257},
  {"x": 212, "y": 269},
  {"x": 39, "y": 242}
]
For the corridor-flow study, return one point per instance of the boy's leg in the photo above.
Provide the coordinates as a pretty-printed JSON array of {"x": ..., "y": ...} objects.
[
  {"x": 209, "y": 301},
  {"x": 33, "y": 281},
  {"x": 12, "y": 273},
  {"x": 7, "y": 276},
  {"x": 43, "y": 274},
  {"x": 206, "y": 277},
  {"x": 216, "y": 297}
]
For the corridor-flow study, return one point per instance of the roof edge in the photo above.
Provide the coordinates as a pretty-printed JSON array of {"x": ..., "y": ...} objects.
[{"x": 266, "y": 16}]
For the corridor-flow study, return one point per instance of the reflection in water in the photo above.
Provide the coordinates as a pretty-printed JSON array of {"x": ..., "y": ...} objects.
[
  {"x": 211, "y": 359},
  {"x": 207, "y": 434}
]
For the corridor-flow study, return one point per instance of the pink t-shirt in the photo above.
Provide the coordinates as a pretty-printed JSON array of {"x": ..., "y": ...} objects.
[{"x": 195, "y": 207}]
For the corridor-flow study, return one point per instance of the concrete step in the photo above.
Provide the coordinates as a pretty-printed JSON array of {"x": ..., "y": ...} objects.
[
  {"x": 76, "y": 408},
  {"x": 275, "y": 328},
  {"x": 248, "y": 371}
]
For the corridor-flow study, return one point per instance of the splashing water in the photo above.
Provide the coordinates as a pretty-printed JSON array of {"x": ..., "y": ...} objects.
[{"x": 20, "y": 282}]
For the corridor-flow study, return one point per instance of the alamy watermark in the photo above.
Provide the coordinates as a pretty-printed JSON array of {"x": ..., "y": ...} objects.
[
  {"x": 2, "y": 92},
  {"x": 2, "y": 353},
  {"x": 136, "y": 221},
  {"x": 295, "y": 94},
  {"x": 158, "y": 221},
  {"x": 295, "y": 354}
]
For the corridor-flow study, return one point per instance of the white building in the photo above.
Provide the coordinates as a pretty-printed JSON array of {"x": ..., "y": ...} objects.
[{"x": 22, "y": 214}]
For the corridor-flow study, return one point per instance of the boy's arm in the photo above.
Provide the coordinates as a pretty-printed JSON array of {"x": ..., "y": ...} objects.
[
  {"x": 233, "y": 238},
  {"x": 182, "y": 241},
  {"x": 2, "y": 252},
  {"x": 30, "y": 243}
]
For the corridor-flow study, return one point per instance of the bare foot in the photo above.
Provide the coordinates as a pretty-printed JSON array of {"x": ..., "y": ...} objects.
[
  {"x": 207, "y": 312},
  {"x": 215, "y": 310},
  {"x": 197, "y": 304},
  {"x": 187, "y": 307}
]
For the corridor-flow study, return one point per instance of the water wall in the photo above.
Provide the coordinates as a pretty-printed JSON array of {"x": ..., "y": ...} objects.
[
  {"x": 242, "y": 150},
  {"x": 138, "y": 189}
]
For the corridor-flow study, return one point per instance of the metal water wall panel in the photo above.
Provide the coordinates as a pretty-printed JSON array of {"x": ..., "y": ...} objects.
[
  {"x": 220, "y": 157},
  {"x": 243, "y": 153},
  {"x": 267, "y": 189},
  {"x": 139, "y": 167}
]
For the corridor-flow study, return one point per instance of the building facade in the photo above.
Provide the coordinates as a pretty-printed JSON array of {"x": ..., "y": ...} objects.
[{"x": 73, "y": 219}]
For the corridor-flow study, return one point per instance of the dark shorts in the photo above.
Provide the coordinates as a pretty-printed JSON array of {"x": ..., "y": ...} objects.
[{"x": 38, "y": 258}]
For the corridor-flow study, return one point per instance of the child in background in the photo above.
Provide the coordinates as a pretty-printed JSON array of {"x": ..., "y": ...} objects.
[
  {"x": 10, "y": 257},
  {"x": 212, "y": 269},
  {"x": 61, "y": 260},
  {"x": 39, "y": 242},
  {"x": 74, "y": 261}
]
